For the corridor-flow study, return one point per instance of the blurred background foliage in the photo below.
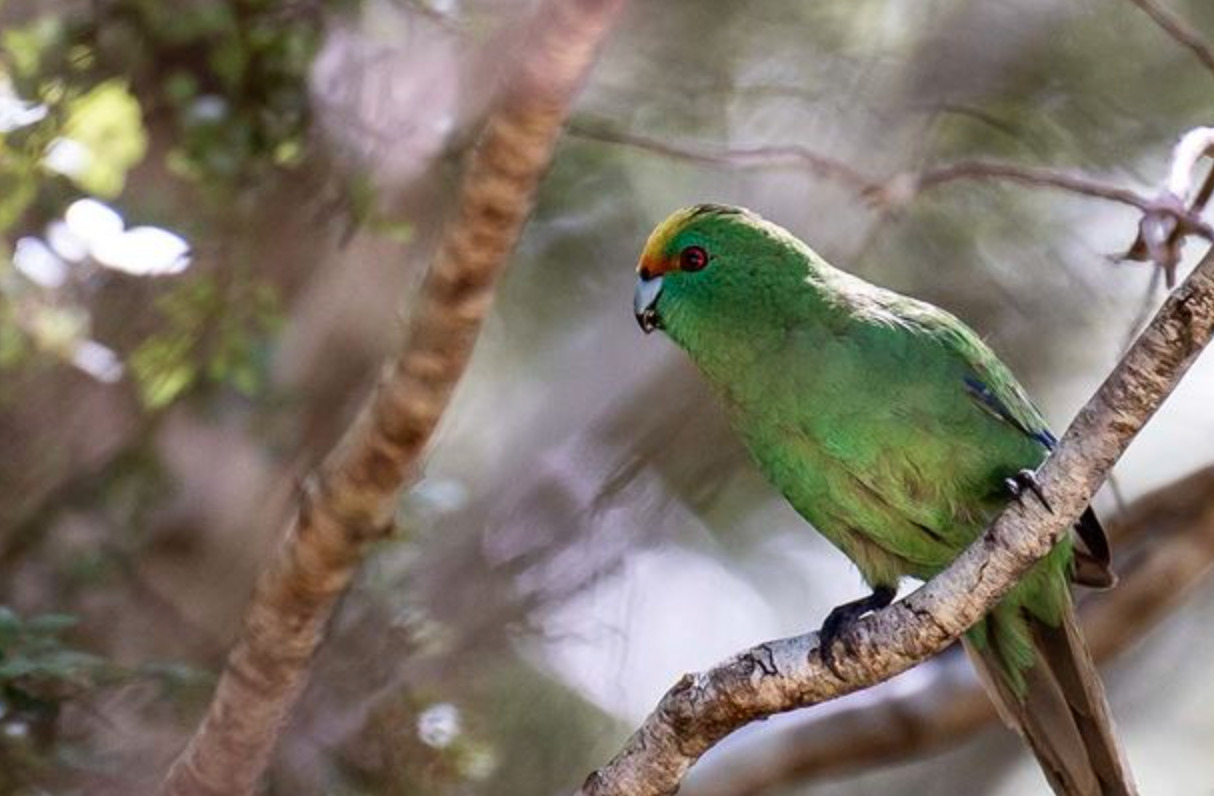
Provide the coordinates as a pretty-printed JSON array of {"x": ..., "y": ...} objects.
[{"x": 211, "y": 216}]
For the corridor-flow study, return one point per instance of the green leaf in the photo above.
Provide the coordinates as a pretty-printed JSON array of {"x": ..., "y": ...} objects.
[
  {"x": 17, "y": 192},
  {"x": 164, "y": 387},
  {"x": 108, "y": 122},
  {"x": 26, "y": 45}
]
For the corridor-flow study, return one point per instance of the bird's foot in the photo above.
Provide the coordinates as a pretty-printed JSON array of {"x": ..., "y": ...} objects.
[
  {"x": 840, "y": 619},
  {"x": 1026, "y": 481}
]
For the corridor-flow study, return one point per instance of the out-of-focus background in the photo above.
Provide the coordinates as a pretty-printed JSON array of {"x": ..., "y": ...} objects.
[{"x": 212, "y": 217}]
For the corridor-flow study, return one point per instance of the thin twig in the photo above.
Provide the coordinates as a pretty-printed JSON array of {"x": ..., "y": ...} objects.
[
  {"x": 352, "y": 500},
  {"x": 1175, "y": 27},
  {"x": 901, "y": 188},
  {"x": 788, "y": 674},
  {"x": 1032, "y": 176},
  {"x": 762, "y": 157},
  {"x": 1144, "y": 310}
]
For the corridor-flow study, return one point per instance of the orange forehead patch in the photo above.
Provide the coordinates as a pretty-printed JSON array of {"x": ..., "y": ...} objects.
[
  {"x": 649, "y": 267},
  {"x": 657, "y": 259}
]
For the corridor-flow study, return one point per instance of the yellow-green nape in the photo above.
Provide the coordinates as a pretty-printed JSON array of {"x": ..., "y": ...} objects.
[{"x": 658, "y": 245}]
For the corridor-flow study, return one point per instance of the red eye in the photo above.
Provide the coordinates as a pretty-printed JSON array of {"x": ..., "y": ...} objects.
[{"x": 693, "y": 258}]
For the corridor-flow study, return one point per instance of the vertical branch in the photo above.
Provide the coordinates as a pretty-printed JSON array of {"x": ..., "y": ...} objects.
[{"x": 350, "y": 502}]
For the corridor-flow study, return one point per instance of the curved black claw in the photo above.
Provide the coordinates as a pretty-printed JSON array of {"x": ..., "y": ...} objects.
[
  {"x": 840, "y": 619},
  {"x": 1026, "y": 481}
]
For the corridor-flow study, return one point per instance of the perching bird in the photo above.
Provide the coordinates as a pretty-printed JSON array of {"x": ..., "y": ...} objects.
[{"x": 898, "y": 434}]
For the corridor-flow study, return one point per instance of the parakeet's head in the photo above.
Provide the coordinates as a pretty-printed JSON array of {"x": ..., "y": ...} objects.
[{"x": 715, "y": 267}]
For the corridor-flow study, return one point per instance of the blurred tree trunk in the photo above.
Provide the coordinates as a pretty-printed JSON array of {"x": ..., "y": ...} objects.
[{"x": 352, "y": 502}]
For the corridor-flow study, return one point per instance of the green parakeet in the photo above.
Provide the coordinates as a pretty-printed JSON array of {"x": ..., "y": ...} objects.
[{"x": 898, "y": 434}]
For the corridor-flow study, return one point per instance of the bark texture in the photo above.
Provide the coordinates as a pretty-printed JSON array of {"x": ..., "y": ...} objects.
[
  {"x": 1165, "y": 549},
  {"x": 350, "y": 502}
]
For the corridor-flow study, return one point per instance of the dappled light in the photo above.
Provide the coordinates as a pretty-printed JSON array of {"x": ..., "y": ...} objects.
[{"x": 333, "y": 433}]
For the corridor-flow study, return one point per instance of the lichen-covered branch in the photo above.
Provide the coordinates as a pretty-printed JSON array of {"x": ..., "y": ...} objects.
[
  {"x": 784, "y": 675},
  {"x": 1165, "y": 549},
  {"x": 350, "y": 502}
]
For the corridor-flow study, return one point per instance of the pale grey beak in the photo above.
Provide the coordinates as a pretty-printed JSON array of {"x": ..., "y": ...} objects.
[{"x": 645, "y": 303}]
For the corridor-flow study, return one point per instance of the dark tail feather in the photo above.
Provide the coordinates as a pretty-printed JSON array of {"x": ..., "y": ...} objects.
[
  {"x": 1092, "y": 563},
  {"x": 1063, "y": 715},
  {"x": 1068, "y": 657}
]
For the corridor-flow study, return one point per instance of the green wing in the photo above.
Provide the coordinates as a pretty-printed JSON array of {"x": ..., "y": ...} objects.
[
  {"x": 989, "y": 382},
  {"x": 919, "y": 425}
]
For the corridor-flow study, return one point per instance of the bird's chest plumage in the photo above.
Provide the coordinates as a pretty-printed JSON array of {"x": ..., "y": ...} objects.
[{"x": 879, "y": 449}]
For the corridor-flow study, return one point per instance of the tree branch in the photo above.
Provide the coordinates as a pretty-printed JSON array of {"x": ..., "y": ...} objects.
[
  {"x": 1162, "y": 231},
  {"x": 350, "y": 502},
  {"x": 762, "y": 157},
  {"x": 1031, "y": 176},
  {"x": 1166, "y": 537},
  {"x": 1175, "y": 27},
  {"x": 787, "y": 674},
  {"x": 900, "y": 189}
]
